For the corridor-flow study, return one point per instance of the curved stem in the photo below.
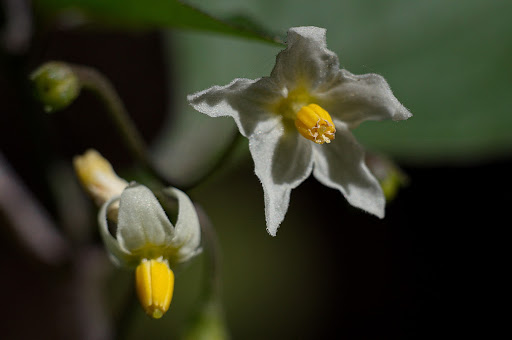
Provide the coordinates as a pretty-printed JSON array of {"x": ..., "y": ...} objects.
[
  {"x": 96, "y": 82},
  {"x": 235, "y": 139},
  {"x": 93, "y": 80},
  {"x": 212, "y": 283},
  {"x": 127, "y": 313},
  {"x": 208, "y": 319}
]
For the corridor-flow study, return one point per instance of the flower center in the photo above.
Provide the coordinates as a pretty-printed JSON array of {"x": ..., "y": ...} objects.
[
  {"x": 315, "y": 124},
  {"x": 154, "y": 281},
  {"x": 311, "y": 120}
]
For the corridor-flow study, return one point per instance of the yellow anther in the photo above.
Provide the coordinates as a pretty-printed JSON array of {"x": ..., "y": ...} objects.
[
  {"x": 315, "y": 124},
  {"x": 97, "y": 176},
  {"x": 154, "y": 281}
]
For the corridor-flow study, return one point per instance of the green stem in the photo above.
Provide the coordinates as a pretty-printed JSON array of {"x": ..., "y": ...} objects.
[
  {"x": 208, "y": 320},
  {"x": 96, "y": 82},
  {"x": 212, "y": 284},
  {"x": 219, "y": 162},
  {"x": 127, "y": 313}
]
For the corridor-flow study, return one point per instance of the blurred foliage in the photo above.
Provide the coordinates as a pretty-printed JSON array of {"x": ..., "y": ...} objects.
[{"x": 160, "y": 14}]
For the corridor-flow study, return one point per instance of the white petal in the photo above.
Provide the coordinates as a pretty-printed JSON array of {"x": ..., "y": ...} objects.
[
  {"x": 340, "y": 165},
  {"x": 245, "y": 100},
  {"x": 305, "y": 59},
  {"x": 281, "y": 161},
  {"x": 141, "y": 220},
  {"x": 117, "y": 254},
  {"x": 187, "y": 233},
  {"x": 354, "y": 99}
]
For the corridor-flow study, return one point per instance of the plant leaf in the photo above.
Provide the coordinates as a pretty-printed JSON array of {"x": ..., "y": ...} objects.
[{"x": 159, "y": 13}]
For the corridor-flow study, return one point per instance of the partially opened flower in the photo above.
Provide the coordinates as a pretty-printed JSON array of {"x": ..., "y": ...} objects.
[
  {"x": 145, "y": 237},
  {"x": 147, "y": 241},
  {"x": 298, "y": 121}
]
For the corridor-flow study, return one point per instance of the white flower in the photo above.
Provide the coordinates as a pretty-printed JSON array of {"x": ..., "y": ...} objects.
[
  {"x": 147, "y": 240},
  {"x": 298, "y": 121}
]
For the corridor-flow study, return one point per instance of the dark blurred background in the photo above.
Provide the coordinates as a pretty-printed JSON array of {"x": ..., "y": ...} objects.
[{"x": 427, "y": 270}]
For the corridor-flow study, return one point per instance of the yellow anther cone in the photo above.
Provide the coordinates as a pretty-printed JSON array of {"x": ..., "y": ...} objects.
[
  {"x": 154, "y": 281},
  {"x": 315, "y": 124}
]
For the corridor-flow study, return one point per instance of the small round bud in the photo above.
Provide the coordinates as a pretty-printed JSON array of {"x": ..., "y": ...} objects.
[{"x": 56, "y": 85}]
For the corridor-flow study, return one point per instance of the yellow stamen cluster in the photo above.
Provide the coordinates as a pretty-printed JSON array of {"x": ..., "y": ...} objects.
[
  {"x": 154, "y": 282},
  {"x": 315, "y": 124}
]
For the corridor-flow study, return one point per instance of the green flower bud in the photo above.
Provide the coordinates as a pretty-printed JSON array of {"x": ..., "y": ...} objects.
[{"x": 56, "y": 85}]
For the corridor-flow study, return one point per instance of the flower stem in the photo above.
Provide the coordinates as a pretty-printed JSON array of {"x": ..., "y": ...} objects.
[
  {"x": 96, "y": 82},
  {"x": 207, "y": 321},
  {"x": 127, "y": 313},
  {"x": 212, "y": 285},
  {"x": 219, "y": 162}
]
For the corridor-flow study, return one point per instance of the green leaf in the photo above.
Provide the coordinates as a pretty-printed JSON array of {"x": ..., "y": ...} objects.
[{"x": 159, "y": 14}]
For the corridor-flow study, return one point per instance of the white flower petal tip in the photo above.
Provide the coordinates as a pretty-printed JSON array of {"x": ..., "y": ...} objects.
[
  {"x": 144, "y": 231},
  {"x": 296, "y": 34},
  {"x": 272, "y": 231},
  {"x": 299, "y": 118},
  {"x": 373, "y": 204},
  {"x": 402, "y": 114}
]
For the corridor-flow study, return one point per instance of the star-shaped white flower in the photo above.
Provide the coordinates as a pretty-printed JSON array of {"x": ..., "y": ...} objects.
[{"x": 298, "y": 121}]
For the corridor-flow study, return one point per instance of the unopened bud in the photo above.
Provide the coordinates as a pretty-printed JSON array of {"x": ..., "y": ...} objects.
[
  {"x": 56, "y": 85},
  {"x": 98, "y": 178}
]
